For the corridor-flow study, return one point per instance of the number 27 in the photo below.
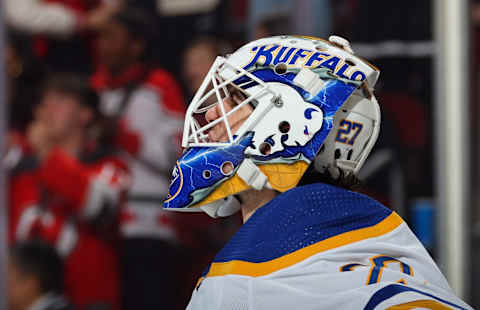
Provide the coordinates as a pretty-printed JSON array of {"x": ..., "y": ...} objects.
[{"x": 345, "y": 131}]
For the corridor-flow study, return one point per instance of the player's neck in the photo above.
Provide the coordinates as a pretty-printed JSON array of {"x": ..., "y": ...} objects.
[{"x": 252, "y": 200}]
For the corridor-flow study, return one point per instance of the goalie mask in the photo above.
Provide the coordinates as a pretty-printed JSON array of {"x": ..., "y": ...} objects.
[{"x": 268, "y": 111}]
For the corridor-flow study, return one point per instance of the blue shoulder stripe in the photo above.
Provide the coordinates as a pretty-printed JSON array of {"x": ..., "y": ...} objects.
[
  {"x": 246, "y": 268},
  {"x": 299, "y": 218},
  {"x": 391, "y": 290}
]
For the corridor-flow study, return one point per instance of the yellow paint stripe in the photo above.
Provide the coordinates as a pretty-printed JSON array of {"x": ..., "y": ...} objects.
[
  {"x": 264, "y": 268},
  {"x": 423, "y": 304},
  {"x": 281, "y": 177}
]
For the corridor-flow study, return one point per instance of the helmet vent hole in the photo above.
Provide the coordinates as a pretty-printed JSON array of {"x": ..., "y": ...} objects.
[
  {"x": 265, "y": 148},
  {"x": 337, "y": 154},
  {"x": 349, "y": 156},
  {"x": 350, "y": 62},
  {"x": 227, "y": 168},
  {"x": 280, "y": 68},
  {"x": 284, "y": 127},
  {"x": 206, "y": 174}
]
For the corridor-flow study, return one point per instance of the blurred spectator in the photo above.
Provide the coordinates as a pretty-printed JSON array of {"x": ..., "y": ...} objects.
[
  {"x": 180, "y": 21},
  {"x": 312, "y": 18},
  {"x": 279, "y": 17},
  {"x": 62, "y": 29},
  {"x": 272, "y": 26},
  {"x": 186, "y": 7},
  {"x": 68, "y": 191},
  {"x": 23, "y": 72},
  {"x": 198, "y": 57},
  {"x": 144, "y": 107},
  {"x": 35, "y": 278},
  {"x": 57, "y": 18}
]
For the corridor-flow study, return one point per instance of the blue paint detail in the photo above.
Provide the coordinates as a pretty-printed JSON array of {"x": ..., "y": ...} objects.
[
  {"x": 357, "y": 74},
  {"x": 305, "y": 131},
  {"x": 317, "y": 56},
  {"x": 267, "y": 75},
  {"x": 299, "y": 54},
  {"x": 280, "y": 58},
  {"x": 341, "y": 71},
  {"x": 308, "y": 113},
  {"x": 270, "y": 141},
  {"x": 197, "y": 159},
  {"x": 298, "y": 218},
  {"x": 264, "y": 51},
  {"x": 330, "y": 63},
  {"x": 251, "y": 84},
  {"x": 391, "y": 290}
]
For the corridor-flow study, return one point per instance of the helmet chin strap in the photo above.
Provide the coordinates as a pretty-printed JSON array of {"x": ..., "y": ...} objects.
[
  {"x": 222, "y": 208},
  {"x": 252, "y": 175}
]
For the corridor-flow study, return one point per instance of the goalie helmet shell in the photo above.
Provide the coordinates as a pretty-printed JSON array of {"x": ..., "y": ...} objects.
[{"x": 296, "y": 88}]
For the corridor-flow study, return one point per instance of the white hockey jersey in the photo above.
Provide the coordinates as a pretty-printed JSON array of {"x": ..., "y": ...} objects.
[{"x": 322, "y": 247}]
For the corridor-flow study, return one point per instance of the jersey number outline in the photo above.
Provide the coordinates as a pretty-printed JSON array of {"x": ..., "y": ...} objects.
[
  {"x": 345, "y": 130},
  {"x": 378, "y": 264}
]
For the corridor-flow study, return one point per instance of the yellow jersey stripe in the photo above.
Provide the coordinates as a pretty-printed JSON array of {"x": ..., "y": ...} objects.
[
  {"x": 423, "y": 304},
  {"x": 260, "y": 269},
  {"x": 199, "y": 281}
]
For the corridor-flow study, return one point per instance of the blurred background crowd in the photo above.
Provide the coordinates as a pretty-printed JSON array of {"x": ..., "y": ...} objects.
[{"x": 97, "y": 90}]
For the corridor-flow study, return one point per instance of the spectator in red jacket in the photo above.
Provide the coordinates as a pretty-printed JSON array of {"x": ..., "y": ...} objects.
[
  {"x": 63, "y": 31},
  {"x": 69, "y": 193},
  {"x": 144, "y": 106}
]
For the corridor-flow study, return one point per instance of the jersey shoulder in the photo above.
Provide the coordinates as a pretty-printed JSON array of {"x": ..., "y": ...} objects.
[{"x": 302, "y": 222}]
